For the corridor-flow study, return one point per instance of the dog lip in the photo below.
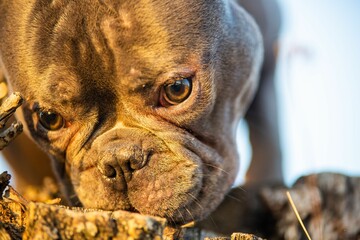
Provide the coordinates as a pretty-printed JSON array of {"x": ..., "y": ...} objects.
[
  {"x": 192, "y": 197},
  {"x": 185, "y": 209},
  {"x": 166, "y": 195}
]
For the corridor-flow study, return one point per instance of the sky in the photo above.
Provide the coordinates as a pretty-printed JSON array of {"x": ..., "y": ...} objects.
[{"x": 318, "y": 86}]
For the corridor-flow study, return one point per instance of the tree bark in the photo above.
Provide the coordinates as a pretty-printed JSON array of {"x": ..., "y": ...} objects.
[{"x": 21, "y": 219}]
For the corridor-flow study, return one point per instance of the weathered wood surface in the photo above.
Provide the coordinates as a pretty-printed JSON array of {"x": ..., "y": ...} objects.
[
  {"x": 328, "y": 203},
  {"x": 45, "y": 221},
  {"x": 20, "y": 219},
  {"x": 12, "y": 212}
]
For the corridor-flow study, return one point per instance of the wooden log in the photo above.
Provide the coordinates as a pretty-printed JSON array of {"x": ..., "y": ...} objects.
[
  {"x": 12, "y": 212},
  {"x": 237, "y": 236},
  {"x": 46, "y": 221},
  {"x": 21, "y": 219},
  {"x": 328, "y": 203}
]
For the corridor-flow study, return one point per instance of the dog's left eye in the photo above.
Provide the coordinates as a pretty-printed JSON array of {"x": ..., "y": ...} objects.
[
  {"x": 51, "y": 120},
  {"x": 176, "y": 92}
]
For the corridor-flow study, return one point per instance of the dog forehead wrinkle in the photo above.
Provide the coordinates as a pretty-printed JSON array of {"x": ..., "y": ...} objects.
[
  {"x": 155, "y": 32},
  {"x": 87, "y": 55},
  {"x": 148, "y": 40},
  {"x": 56, "y": 28}
]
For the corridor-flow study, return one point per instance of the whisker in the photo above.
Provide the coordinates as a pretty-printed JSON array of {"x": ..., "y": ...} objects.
[
  {"x": 196, "y": 201},
  {"x": 192, "y": 217},
  {"x": 182, "y": 217},
  {"x": 76, "y": 203},
  {"x": 213, "y": 221},
  {"x": 241, "y": 188},
  {"x": 73, "y": 196},
  {"x": 216, "y": 167},
  {"x": 235, "y": 198},
  {"x": 74, "y": 200},
  {"x": 167, "y": 216}
]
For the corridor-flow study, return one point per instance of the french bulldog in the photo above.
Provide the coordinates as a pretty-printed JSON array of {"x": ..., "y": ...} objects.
[{"x": 136, "y": 101}]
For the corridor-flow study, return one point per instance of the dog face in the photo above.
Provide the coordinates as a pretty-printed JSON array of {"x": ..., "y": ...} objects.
[{"x": 136, "y": 101}]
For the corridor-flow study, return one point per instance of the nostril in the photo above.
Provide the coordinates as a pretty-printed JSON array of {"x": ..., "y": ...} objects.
[
  {"x": 109, "y": 171},
  {"x": 139, "y": 158},
  {"x": 111, "y": 174}
]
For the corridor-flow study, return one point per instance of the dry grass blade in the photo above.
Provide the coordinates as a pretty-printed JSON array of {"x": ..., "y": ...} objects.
[{"x": 297, "y": 214}]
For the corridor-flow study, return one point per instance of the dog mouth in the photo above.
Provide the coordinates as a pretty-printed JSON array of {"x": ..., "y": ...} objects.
[
  {"x": 161, "y": 189},
  {"x": 181, "y": 182}
]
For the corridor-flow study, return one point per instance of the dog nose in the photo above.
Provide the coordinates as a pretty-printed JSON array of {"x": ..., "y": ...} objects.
[{"x": 123, "y": 162}]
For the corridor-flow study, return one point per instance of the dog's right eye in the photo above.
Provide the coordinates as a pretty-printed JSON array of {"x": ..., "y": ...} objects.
[
  {"x": 50, "y": 120},
  {"x": 176, "y": 92}
]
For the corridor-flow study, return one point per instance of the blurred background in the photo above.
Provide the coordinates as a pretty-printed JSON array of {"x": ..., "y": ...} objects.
[{"x": 318, "y": 87}]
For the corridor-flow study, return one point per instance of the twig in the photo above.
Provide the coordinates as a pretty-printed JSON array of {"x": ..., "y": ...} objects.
[
  {"x": 7, "y": 109},
  {"x": 297, "y": 214}
]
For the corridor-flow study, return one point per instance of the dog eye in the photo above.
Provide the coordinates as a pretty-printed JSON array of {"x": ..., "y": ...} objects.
[
  {"x": 176, "y": 92},
  {"x": 51, "y": 120}
]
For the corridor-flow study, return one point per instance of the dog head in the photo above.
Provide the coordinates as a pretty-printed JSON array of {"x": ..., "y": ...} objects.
[{"x": 136, "y": 102}]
